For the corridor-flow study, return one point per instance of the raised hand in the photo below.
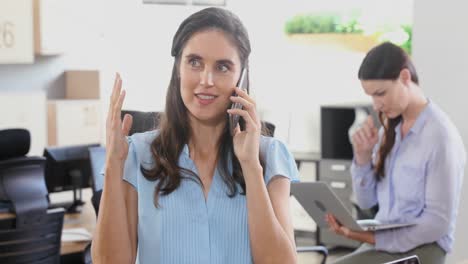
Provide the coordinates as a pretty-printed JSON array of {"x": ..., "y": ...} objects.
[
  {"x": 116, "y": 130},
  {"x": 364, "y": 140}
]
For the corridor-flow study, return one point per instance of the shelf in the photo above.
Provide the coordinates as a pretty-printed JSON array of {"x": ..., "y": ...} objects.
[
  {"x": 16, "y": 32},
  {"x": 50, "y": 27}
]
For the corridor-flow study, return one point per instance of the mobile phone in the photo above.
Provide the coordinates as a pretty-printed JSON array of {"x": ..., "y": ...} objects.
[{"x": 242, "y": 84}]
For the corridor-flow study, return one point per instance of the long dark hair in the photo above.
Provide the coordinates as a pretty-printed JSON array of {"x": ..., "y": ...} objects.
[
  {"x": 175, "y": 126},
  {"x": 385, "y": 62}
]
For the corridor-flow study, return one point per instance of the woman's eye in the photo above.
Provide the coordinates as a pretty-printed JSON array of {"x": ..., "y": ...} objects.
[
  {"x": 194, "y": 63},
  {"x": 223, "y": 68}
]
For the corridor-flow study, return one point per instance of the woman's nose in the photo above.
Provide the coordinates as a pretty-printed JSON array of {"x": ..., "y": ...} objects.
[
  {"x": 206, "y": 78},
  {"x": 377, "y": 105}
]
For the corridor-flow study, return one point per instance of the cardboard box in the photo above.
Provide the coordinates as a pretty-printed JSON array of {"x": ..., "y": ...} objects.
[
  {"x": 74, "y": 122},
  {"x": 82, "y": 84},
  {"x": 26, "y": 110}
]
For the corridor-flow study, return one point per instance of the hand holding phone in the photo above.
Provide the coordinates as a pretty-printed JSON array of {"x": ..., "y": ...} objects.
[
  {"x": 363, "y": 141},
  {"x": 234, "y": 119}
]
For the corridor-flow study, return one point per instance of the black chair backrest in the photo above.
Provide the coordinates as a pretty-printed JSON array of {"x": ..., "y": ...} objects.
[
  {"x": 22, "y": 184},
  {"x": 268, "y": 128},
  {"x": 37, "y": 243},
  {"x": 143, "y": 121},
  {"x": 14, "y": 143},
  {"x": 34, "y": 234}
]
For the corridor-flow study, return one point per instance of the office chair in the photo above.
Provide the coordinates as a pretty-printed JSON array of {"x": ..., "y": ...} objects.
[
  {"x": 142, "y": 121},
  {"x": 34, "y": 234},
  {"x": 268, "y": 128},
  {"x": 38, "y": 242},
  {"x": 317, "y": 249}
]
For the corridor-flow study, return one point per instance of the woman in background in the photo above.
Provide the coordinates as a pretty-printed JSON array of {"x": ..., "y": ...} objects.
[{"x": 412, "y": 168}]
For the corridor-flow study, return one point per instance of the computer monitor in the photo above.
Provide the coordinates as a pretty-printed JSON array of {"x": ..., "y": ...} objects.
[
  {"x": 68, "y": 168},
  {"x": 97, "y": 156},
  {"x": 335, "y": 122}
]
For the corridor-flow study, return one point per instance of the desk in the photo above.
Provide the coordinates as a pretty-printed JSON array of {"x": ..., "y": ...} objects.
[
  {"x": 314, "y": 157},
  {"x": 306, "y": 157},
  {"x": 86, "y": 219}
]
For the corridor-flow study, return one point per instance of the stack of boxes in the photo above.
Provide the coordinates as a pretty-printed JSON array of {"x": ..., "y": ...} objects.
[{"x": 77, "y": 118}]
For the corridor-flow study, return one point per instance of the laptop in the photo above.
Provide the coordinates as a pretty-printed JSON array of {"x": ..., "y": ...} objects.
[
  {"x": 97, "y": 157},
  {"x": 408, "y": 260},
  {"x": 318, "y": 199}
]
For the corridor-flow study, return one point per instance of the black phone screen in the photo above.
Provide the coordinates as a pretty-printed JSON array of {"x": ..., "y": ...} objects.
[{"x": 242, "y": 84}]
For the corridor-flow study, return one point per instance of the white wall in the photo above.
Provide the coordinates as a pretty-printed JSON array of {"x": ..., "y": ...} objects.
[
  {"x": 440, "y": 47},
  {"x": 290, "y": 82}
]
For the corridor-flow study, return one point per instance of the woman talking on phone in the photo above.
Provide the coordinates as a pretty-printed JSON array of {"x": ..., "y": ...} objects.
[
  {"x": 190, "y": 192},
  {"x": 412, "y": 168}
]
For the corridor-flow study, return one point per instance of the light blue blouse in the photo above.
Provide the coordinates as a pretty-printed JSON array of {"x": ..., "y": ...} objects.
[
  {"x": 422, "y": 184},
  {"x": 186, "y": 228}
]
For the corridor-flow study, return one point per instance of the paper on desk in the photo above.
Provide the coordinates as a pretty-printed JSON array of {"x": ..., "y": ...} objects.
[{"x": 76, "y": 235}]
